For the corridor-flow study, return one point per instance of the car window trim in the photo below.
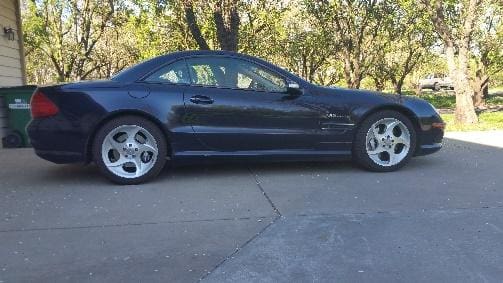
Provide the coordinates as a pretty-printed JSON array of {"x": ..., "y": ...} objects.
[
  {"x": 234, "y": 88},
  {"x": 144, "y": 78},
  {"x": 164, "y": 83}
]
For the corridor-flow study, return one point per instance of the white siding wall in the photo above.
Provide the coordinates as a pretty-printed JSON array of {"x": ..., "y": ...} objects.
[
  {"x": 11, "y": 55},
  {"x": 11, "y": 61}
]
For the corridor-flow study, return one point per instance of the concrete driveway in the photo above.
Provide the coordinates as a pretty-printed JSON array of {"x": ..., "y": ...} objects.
[{"x": 438, "y": 219}]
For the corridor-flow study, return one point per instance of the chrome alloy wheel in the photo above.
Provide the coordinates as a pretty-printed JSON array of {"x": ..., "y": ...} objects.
[
  {"x": 388, "y": 142},
  {"x": 129, "y": 151}
]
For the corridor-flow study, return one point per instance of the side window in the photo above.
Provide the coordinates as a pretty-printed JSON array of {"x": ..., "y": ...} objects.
[
  {"x": 262, "y": 79},
  {"x": 203, "y": 74},
  {"x": 233, "y": 73},
  {"x": 173, "y": 73}
]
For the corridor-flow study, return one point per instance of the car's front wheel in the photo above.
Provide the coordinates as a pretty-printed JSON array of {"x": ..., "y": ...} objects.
[
  {"x": 385, "y": 141},
  {"x": 129, "y": 150}
]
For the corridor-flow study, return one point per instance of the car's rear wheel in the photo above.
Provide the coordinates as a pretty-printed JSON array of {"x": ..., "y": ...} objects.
[
  {"x": 436, "y": 87},
  {"x": 130, "y": 150},
  {"x": 385, "y": 141}
]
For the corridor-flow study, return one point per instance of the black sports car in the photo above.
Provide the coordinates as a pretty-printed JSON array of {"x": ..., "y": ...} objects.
[{"x": 210, "y": 105}]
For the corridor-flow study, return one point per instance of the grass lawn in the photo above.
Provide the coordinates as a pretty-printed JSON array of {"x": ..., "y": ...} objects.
[
  {"x": 496, "y": 90},
  {"x": 445, "y": 100},
  {"x": 449, "y": 101},
  {"x": 487, "y": 121}
]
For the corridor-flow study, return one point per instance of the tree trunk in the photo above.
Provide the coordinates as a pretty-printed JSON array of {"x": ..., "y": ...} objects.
[
  {"x": 226, "y": 19},
  {"x": 227, "y": 22},
  {"x": 352, "y": 73},
  {"x": 465, "y": 112},
  {"x": 347, "y": 70},
  {"x": 355, "y": 83},
  {"x": 481, "y": 89},
  {"x": 418, "y": 90},
  {"x": 398, "y": 84},
  {"x": 190, "y": 18},
  {"x": 398, "y": 87},
  {"x": 459, "y": 35},
  {"x": 379, "y": 83},
  {"x": 380, "y": 86},
  {"x": 357, "y": 75}
]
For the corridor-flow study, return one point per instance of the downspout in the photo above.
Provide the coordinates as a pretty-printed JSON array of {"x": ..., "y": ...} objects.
[{"x": 21, "y": 40}]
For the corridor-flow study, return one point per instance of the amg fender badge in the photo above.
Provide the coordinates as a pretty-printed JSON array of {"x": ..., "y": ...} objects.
[{"x": 334, "y": 115}]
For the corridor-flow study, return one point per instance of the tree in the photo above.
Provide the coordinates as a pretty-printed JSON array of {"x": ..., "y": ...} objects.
[
  {"x": 225, "y": 18},
  {"x": 326, "y": 42},
  {"x": 114, "y": 52},
  {"x": 403, "y": 43},
  {"x": 307, "y": 48},
  {"x": 454, "y": 22},
  {"x": 488, "y": 53},
  {"x": 158, "y": 27},
  {"x": 356, "y": 26},
  {"x": 261, "y": 31},
  {"x": 66, "y": 32}
]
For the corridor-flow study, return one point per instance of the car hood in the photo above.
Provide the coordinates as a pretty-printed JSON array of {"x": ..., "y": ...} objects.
[
  {"x": 394, "y": 98},
  {"x": 375, "y": 97},
  {"x": 360, "y": 101}
]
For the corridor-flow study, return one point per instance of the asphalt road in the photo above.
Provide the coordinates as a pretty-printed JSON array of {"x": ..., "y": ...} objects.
[{"x": 440, "y": 219}]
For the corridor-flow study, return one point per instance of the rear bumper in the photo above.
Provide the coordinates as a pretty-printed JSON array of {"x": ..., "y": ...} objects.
[
  {"x": 61, "y": 157},
  {"x": 57, "y": 140}
]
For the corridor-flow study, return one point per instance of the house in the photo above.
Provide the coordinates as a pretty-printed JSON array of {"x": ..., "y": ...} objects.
[{"x": 12, "y": 65}]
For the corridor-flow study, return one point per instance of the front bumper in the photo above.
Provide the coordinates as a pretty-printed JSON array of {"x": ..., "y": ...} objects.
[
  {"x": 429, "y": 140},
  {"x": 428, "y": 149}
]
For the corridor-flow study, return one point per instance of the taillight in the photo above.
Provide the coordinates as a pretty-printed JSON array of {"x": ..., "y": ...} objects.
[{"x": 41, "y": 106}]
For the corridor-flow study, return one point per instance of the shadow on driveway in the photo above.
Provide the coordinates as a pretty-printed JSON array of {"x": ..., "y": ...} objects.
[{"x": 439, "y": 218}]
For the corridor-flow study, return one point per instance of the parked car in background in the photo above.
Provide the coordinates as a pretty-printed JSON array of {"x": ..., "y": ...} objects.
[
  {"x": 436, "y": 82},
  {"x": 199, "y": 106}
]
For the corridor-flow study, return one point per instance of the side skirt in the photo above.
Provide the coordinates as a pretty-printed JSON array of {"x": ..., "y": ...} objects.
[{"x": 260, "y": 156}]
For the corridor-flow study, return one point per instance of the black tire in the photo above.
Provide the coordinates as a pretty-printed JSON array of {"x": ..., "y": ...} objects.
[
  {"x": 436, "y": 87},
  {"x": 13, "y": 140},
  {"x": 130, "y": 120},
  {"x": 360, "y": 155}
]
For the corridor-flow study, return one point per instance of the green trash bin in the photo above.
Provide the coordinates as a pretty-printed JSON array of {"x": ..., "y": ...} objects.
[{"x": 16, "y": 102}]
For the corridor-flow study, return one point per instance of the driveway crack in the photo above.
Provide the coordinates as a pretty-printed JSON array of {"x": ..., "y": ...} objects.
[
  {"x": 259, "y": 185},
  {"x": 278, "y": 216},
  {"x": 240, "y": 248},
  {"x": 130, "y": 224}
]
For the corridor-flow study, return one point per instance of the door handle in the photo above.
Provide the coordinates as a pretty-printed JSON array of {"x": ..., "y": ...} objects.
[{"x": 201, "y": 99}]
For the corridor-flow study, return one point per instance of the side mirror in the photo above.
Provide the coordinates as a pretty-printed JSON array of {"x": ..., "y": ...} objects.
[
  {"x": 293, "y": 88},
  {"x": 293, "y": 85}
]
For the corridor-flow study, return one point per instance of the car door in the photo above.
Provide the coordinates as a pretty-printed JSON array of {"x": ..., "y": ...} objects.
[
  {"x": 167, "y": 86},
  {"x": 238, "y": 105}
]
